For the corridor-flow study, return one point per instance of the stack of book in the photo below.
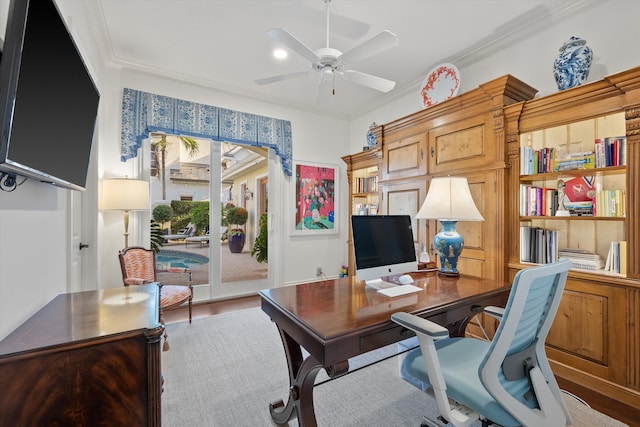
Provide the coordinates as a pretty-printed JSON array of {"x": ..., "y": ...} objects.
[
  {"x": 582, "y": 208},
  {"x": 582, "y": 259},
  {"x": 573, "y": 161},
  {"x": 365, "y": 209}
]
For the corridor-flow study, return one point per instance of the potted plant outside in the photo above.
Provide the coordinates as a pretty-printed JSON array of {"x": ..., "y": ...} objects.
[
  {"x": 260, "y": 247},
  {"x": 236, "y": 217}
]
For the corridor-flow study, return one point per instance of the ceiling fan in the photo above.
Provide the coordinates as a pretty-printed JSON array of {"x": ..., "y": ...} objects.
[{"x": 329, "y": 62}]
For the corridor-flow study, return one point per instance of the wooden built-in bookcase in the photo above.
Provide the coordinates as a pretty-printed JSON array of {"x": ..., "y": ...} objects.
[
  {"x": 481, "y": 134},
  {"x": 595, "y": 340}
]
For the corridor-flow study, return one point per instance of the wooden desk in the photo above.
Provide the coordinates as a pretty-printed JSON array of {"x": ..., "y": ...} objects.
[
  {"x": 85, "y": 359},
  {"x": 335, "y": 320}
]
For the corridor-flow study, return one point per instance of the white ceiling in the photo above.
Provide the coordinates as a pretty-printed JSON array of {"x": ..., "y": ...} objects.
[{"x": 223, "y": 43}]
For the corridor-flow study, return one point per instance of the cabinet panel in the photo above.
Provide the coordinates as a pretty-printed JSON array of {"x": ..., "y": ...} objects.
[
  {"x": 589, "y": 332},
  {"x": 579, "y": 308},
  {"x": 468, "y": 143},
  {"x": 481, "y": 254},
  {"x": 405, "y": 158},
  {"x": 405, "y": 199}
]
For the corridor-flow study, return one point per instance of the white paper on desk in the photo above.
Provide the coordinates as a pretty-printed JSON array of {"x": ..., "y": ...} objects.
[{"x": 399, "y": 290}]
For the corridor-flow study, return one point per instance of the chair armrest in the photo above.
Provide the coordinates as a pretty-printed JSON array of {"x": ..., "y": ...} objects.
[
  {"x": 420, "y": 325},
  {"x": 495, "y": 312},
  {"x": 135, "y": 281}
]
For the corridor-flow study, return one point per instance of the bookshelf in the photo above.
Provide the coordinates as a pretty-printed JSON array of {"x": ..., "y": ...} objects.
[
  {"x": 363, "y": 172},
  {"x": 593, "y": 200},
  {"x": 594, "y": 340}
]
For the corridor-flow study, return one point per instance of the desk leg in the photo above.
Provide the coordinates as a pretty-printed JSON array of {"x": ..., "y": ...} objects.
[{"x": 302, "y": 375}]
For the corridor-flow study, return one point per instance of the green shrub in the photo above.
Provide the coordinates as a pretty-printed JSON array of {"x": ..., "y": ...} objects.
[
  {"x": 237, "y": 215},
  {"x": 162, "y": 213}
]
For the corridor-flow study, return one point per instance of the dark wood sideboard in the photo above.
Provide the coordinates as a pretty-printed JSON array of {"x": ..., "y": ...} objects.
[{"x": 85, "y": 359}]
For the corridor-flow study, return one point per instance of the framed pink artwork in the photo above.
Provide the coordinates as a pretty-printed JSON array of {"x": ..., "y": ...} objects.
[{"x": 314, "y": 197}]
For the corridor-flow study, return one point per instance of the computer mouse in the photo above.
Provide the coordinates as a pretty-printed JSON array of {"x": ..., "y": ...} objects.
[{"x": 405, "y": 279}]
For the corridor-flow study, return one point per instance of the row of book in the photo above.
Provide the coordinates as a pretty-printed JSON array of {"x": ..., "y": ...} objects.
[
  {"x": 609, "y": 151},
  {"x": 536, "y": 161},
  {"x": 617, "y": 258},
  {"x": 538, "y": 245},
  {"x": 365, "y": 209},
  {"x": 365, "y": 185},
  {"x": 538, "y": 201},
  {"x": 610, "y": 203}
]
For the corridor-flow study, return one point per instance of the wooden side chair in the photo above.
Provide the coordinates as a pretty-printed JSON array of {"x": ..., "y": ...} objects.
[{"x": 138, "y": 267}]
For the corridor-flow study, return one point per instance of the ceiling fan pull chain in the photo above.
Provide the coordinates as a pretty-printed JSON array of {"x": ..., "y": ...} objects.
[{"x": 333, "y": 83}]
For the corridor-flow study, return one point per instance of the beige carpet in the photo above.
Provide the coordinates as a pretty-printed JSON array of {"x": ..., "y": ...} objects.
[{"x": 224, "y": 370}]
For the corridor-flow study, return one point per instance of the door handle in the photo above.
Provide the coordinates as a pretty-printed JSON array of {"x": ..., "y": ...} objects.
[{"x": 81, "y": 246}]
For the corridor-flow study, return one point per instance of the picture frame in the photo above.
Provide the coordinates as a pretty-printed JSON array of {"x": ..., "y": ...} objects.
[{"x": 314, "y": 198}]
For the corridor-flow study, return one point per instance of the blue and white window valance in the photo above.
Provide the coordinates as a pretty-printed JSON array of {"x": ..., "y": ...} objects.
[{"x": 144, "y": 112}]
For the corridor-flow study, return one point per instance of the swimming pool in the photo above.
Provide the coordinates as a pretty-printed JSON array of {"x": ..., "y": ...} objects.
[{"x": 178, "y": 259}]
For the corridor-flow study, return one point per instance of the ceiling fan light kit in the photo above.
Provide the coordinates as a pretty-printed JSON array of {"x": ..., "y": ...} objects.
[{"x": 332, "y": 61}]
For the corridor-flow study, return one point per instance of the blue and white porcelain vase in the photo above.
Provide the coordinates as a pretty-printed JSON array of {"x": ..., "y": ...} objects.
[
  {"x": 571, "y": 67},
  {"x": 372, "y": 140}
]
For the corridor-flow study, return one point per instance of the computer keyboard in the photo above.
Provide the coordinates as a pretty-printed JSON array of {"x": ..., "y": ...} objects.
[
  {"x": 399, "y": 290},
  {"x": 380, "y": 284}
]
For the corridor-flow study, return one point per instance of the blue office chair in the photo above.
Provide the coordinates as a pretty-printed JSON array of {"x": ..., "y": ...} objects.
[{"x": 507, "y": 381}]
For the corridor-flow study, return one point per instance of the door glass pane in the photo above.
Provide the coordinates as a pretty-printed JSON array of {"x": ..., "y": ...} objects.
[
  {"x": 244, "y": 180},
  {"x": 180, "y": 194}
]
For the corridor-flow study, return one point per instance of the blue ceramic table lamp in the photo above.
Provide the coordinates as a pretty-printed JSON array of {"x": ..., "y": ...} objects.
[{"x": 449, "y": 201}]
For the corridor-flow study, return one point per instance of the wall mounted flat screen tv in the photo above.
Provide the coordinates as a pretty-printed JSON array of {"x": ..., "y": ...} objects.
[{"x": 48, "y": 101}]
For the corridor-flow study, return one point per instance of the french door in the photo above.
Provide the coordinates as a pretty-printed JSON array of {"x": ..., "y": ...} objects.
[{"x": 220, "y": 176}]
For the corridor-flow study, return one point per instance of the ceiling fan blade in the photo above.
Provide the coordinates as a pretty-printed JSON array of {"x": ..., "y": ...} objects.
[
  {"x": 284, "y": 37},
  {"x": 281, "y": 77},
  {"x": 374, "y": 82},
  {"x": 383, "y": 41}
]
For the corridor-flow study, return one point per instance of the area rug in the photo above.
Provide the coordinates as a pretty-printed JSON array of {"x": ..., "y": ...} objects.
[{"x": 223, "y": 371}]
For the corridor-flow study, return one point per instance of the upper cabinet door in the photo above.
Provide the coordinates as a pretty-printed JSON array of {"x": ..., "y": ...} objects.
[
  {"x": 405, "y": 158},
  {"x": 464, "y": 144}
]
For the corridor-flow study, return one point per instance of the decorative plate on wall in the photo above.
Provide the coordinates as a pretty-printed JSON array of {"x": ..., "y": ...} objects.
[{"x": 442, "y": 83}]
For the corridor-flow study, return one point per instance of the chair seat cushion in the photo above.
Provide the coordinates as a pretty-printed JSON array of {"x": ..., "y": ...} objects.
[
  {"x": 460, "y": 359},
  {"x": 173, "y": 294}
]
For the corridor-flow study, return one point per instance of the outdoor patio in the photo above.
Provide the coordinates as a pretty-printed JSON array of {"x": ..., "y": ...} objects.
[{"x": 235, "y": 266}]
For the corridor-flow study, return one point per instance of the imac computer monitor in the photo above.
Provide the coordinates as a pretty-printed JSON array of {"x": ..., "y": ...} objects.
[{"x": 383, "y": 246}]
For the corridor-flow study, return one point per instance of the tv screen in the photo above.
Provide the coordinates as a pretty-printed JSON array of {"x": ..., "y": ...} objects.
[
  {"x": 48, "y": 101},
  {"x": 383, "y": 245}
]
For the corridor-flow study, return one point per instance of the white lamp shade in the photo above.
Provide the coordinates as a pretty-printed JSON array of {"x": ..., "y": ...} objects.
[
  {"x": 449, "y": 198},
  {"x": 125, "y": 194}
]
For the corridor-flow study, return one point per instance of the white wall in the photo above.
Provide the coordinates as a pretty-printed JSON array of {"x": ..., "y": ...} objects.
[{"x": 316, "y": 139}]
